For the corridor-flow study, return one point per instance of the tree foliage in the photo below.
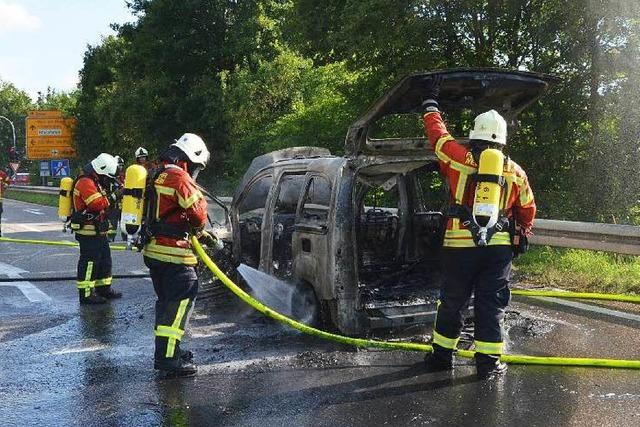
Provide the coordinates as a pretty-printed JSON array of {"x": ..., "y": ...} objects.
[
  {"x": 259, "y": 75},
  {"x": 14, "y": 105}
]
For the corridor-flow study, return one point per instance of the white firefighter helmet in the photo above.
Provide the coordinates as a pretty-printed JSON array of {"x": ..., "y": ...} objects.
[
  {"x": 490, "y": 126},
  {"x": 105, "y": 164},
  {"x": 141, "y": 152},
  {"x": 194, "y": 147}
]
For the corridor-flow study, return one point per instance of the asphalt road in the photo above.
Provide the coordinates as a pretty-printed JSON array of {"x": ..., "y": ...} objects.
[{"x": 62, "y": 364}]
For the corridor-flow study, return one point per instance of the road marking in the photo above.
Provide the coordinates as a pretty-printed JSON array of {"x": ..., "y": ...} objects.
[
  {"x": 591, "y": 308},
  {"x": 28, "y": 289},
  {"x": 80, "y": 349},
  {"x": 34, "y": 211}
]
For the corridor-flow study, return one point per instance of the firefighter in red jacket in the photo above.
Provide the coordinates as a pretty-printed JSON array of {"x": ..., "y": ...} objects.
[
  {"x": 4, "y": 182},
  {"x": 470, "y": 264},
  {"x": 92, "y": 202},
  {"x": 178, "y": 210}
]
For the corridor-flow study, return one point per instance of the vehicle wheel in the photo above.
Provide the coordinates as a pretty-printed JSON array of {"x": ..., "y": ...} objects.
[{"x": 304, "y": 305}]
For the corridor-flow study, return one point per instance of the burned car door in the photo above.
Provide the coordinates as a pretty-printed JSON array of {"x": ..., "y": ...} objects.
[
  {"x": 249, "y": 220},
  {"x": 311, "y": 234},
  {"x": 474, "y": 90},
  {"x": 277, "y": 255}
]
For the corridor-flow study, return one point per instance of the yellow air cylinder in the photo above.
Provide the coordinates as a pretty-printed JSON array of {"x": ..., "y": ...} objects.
[
  {"x": 486, "y": 205},
  {"x": 135, "y": 181},
  {"x": 66, "y": 199}
]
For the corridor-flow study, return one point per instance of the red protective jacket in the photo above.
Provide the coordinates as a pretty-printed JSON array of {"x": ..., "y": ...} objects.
[
  {"x": 181, "y": 206},
  {"x": 4, "y": 182},
  {"x": 456, "y": 165},
  {"x": 90, "y": 197}
]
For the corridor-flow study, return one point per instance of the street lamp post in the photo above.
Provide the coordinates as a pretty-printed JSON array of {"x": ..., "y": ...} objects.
[{"x": 13, "y": 129}]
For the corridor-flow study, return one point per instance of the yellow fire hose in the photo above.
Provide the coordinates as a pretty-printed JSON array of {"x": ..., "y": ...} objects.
[
  {"x": 359, "y": 342},
  {"x": 580, "y": 295}
]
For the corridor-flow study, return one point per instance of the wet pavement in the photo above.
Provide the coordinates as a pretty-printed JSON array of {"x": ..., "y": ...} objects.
[{"x": 62, "y": 364}]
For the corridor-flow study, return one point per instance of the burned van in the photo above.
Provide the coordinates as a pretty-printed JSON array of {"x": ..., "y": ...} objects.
[{"x": 362, "y": 232}]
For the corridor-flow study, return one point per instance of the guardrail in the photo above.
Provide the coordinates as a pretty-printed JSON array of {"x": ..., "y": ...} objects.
[
  {"x": 35, "y": 189},
  {"x": 622, "y": 239}
]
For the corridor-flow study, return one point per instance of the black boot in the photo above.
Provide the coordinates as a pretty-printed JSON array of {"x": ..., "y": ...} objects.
[
  {"x": 107, "y": 292},
  {"x": 185, "y": 355},
  {"x": 93, "y": 298},
  {"x": 489, "y": 366},
  {"x": 177, "y": 367},
  {"x": 440, "y": 360}
]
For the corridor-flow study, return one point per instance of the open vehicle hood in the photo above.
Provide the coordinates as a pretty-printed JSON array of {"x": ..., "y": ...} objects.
[{"x": 475, "y": 89}]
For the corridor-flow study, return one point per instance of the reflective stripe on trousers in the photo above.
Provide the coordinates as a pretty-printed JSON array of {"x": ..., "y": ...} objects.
[
  {"x": 87, "y": 284},
  {"x": 173, "y": 333}
]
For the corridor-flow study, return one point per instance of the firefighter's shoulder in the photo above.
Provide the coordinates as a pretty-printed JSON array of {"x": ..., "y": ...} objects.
[{"x": 85, "y": 182}]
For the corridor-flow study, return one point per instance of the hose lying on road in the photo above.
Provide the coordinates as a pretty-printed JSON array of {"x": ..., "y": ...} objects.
[
  {"x": 359, "y": 342},
  {"x": 581, "y": 295},
  {"x": 52, "y": 243}
]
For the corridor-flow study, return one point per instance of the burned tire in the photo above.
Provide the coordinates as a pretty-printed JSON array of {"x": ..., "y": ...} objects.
[{"x": 305, "y": 307}]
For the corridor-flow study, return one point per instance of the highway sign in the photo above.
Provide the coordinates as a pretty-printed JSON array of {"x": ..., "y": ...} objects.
[
  {"x": 60, "y": 168},
  {"x": 45, "y": 168},
  {"x": 45, "y": 114},
  {"x": 49, "y": 135}
]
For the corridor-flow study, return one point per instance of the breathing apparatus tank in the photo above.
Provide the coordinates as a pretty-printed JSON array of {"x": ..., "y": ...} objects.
[
  {"x": 486, "y": 204},
  {"x": 65, "y": 200},
  {"x": 135, "y": 182}
]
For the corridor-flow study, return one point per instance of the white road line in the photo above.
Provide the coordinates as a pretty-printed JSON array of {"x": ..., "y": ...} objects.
[
  {"x": 33, "y": 211},
  {"x": 28, "y": 289},
  {"x": 591, "y": 308}
]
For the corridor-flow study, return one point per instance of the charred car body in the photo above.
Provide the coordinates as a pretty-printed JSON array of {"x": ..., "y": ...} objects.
[{"x": 363, "y": 231}]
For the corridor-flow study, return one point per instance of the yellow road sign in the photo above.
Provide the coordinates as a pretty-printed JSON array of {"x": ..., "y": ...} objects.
[
  {"x": 45, "y": 114},
  {"x": 50, "y": 135}
]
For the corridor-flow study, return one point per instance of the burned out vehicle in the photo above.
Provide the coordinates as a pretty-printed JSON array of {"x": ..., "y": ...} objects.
[{"x": 363, "y": 231}]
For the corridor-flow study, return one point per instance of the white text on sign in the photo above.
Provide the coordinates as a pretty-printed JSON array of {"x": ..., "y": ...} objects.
[{"x": 49, "y": 132}]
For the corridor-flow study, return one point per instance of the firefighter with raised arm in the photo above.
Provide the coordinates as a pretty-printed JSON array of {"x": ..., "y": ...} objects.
[
  {"x": 176, "y": 210},
  {"x": 489, "y": 196},
  {"x": 93, "y": 200}
]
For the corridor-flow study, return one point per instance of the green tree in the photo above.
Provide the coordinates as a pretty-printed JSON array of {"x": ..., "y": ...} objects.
[{"x": 14, "y": 105}]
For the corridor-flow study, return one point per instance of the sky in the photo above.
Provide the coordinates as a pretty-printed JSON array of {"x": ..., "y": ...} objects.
[{"x": 42, "y": 42}]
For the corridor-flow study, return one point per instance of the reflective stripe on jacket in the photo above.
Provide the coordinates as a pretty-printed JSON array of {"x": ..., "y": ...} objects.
[
  {"x": 457, "y": 165},
  {"x": 180, "y": 205},
  {"x": 90, "y": 197}
]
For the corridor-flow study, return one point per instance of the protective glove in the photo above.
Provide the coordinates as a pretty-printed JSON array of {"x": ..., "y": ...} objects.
[
  {"x": 431, "y": 93},
  {"x": 520, "y": 240},
  {"x": 210, "y": 241}
]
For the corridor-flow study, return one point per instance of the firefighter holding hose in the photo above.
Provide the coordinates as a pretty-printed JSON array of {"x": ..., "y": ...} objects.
[
  {"x": 176, "y": 209},
  {"x": 489, "y": 196}
]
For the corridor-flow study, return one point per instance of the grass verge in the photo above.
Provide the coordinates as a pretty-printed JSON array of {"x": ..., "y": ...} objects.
[
  {"x": 579, "y": 270},
  {"x": 40, "y": 199}
]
